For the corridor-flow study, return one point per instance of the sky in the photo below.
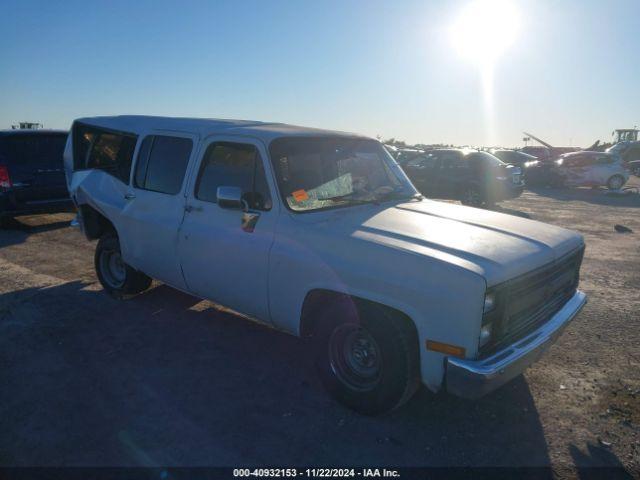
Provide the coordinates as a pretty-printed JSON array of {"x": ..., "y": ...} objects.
[{"x": 385, "y": 69}]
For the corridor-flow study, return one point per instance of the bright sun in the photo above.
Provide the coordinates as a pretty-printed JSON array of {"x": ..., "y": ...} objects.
[{"x": 485, "y": 29}]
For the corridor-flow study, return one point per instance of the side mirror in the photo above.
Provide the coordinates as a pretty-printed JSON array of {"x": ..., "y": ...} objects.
[{"x": 230, "y": 197}]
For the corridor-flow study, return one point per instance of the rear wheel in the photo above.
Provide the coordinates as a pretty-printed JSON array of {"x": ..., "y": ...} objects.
[
  {"x": 117, "y": 278},
  {"x": 615, "y": 182},
  {"x": 369, "y": 363},
  {"x": 472, "y": 197}
]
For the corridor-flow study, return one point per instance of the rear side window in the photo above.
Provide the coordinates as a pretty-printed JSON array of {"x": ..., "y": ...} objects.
[
  {"x": 604, "y": 160},
  {"x": 423, "y": 161},
  {"x": 43, "y": 150},
  {"x": 103, "y": 149},
  {"x": 227, "y": 164},
  {"x": 162, "y": 163}
]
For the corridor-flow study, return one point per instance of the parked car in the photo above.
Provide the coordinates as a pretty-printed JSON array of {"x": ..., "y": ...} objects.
[
  {"x": 593, "y": 169},
  {"x": 629, "y": 151},
  {"x": 543, "y": 154},
  {"x": 320, "y": 234},
  {"x": 535, "y": 172},
  {"x": 475, "y": 178},
  {"x": 634, "y": 167},
  {"x": 31, "y": 173}
]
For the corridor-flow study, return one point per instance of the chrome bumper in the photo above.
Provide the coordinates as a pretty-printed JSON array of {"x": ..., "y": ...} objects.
[{"x": 475, "y": 378}]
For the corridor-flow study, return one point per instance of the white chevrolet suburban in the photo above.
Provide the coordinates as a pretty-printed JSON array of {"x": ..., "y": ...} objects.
[{"x": 321, "y": 234}]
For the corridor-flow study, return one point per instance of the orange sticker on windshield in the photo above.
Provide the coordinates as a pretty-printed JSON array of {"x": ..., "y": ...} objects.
[{"x": 300, "y": 196}]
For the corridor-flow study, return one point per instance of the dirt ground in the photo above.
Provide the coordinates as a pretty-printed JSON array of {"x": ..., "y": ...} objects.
[{"x": 166, "y": 379}]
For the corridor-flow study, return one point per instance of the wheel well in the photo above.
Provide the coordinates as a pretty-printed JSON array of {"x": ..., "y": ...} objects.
[
  {"x": 95, "y": 225},
  {"x": 349, "y": 305}
]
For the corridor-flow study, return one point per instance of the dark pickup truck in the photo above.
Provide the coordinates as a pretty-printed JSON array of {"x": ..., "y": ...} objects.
[
  {"x": 31, "y": 173},
  {"x": 475, "y": 178}
]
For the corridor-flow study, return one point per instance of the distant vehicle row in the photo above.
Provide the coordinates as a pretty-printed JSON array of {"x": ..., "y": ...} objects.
[
  {"x": 32, "y": 178},
  {"x": 482, "y": 178}
]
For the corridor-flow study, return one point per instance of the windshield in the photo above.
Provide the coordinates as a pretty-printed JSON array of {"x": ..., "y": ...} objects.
[{"x": 315, "y": 173}]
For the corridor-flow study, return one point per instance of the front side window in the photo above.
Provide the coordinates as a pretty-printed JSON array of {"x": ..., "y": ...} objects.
[
  {"x": 315, "y": 173},
  {"x": 230, "y": 164},
  {"x": 162, "y": 163}
]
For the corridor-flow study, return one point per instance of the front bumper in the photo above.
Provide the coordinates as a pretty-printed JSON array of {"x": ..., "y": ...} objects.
[{"x": 475, "y": 378}]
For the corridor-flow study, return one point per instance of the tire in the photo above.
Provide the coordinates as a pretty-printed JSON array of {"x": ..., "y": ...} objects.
[
  {"x": 472, "y": 197},
  {"x": 615, "y": 182},
  {"x": 5, "y": 221},
  {"x": 370, "y": 361},
  {"x": 116, "y": 277}
]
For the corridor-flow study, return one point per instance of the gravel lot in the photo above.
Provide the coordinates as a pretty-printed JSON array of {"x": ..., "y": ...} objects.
[{"x": 166, "y": 379}]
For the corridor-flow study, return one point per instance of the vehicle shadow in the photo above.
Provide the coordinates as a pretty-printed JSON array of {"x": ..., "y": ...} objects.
[
  {"x": 597, "y": 463},
  {"x": 17, "y": 230},
  {"x": 167, "y": 379},
  {"x": 510, "y": 211},
  {"x": 598, "y": 196}
]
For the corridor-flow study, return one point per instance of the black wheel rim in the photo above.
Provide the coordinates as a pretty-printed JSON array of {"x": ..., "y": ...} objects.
[
  {"x": 615, "y": 183},
  {"x": 112, "y": 267},
  {"x": 472, "y": 197},
  {"x": 355, "y": 357}
]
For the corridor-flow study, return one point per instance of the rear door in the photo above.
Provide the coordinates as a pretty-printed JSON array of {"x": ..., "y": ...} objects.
[
  {"x": 155, "y": 202},
  {"x": 602, "y": 169},
  {"x": 452, "y": 175}
]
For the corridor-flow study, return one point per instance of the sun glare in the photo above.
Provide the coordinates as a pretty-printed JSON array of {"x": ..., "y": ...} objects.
[{"x": 485, "y": 29}]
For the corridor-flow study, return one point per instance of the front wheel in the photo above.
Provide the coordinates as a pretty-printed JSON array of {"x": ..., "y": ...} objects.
[
  {"x": 371, "y": 363},
  {"x": 117, "y": 278},
  {"x": 615, "y": 183}
]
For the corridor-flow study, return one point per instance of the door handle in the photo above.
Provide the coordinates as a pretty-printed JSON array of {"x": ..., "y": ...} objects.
[
  {"x": 191, "y": 208},
  {"x": 129, "y": 196}
]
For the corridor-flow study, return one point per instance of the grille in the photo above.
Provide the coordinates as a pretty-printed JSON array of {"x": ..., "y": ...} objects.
[{"x": 530, "y": 301}]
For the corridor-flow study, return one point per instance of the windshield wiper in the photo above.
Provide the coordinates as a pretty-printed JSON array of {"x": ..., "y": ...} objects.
[
  {"x": 400, "y": 194},
  {"x": 350, "y": 199}
]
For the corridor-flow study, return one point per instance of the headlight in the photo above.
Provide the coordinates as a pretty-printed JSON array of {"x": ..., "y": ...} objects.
[
  {"x": 485, "y": 334},
  {"x": 489, "y": 302}
]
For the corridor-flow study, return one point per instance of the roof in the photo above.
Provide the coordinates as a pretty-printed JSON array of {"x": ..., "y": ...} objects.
[
  {"x": 206, "y": 126},
  {"x": 588, "y": 153},
  {"x": 26, "y": 131}
]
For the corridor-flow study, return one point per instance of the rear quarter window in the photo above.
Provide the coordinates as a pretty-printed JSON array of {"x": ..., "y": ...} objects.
[{"x": 103, "y": 149}]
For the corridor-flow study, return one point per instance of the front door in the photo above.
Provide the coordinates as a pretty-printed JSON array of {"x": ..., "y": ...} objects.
[{"x": 224, "y": 252}]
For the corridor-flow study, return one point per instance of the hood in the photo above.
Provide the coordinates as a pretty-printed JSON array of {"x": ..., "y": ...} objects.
[{"x": 497, "y": 246}]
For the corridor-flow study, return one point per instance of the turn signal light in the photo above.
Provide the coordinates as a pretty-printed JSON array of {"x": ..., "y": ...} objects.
[{"x": 446, "y": 348}]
